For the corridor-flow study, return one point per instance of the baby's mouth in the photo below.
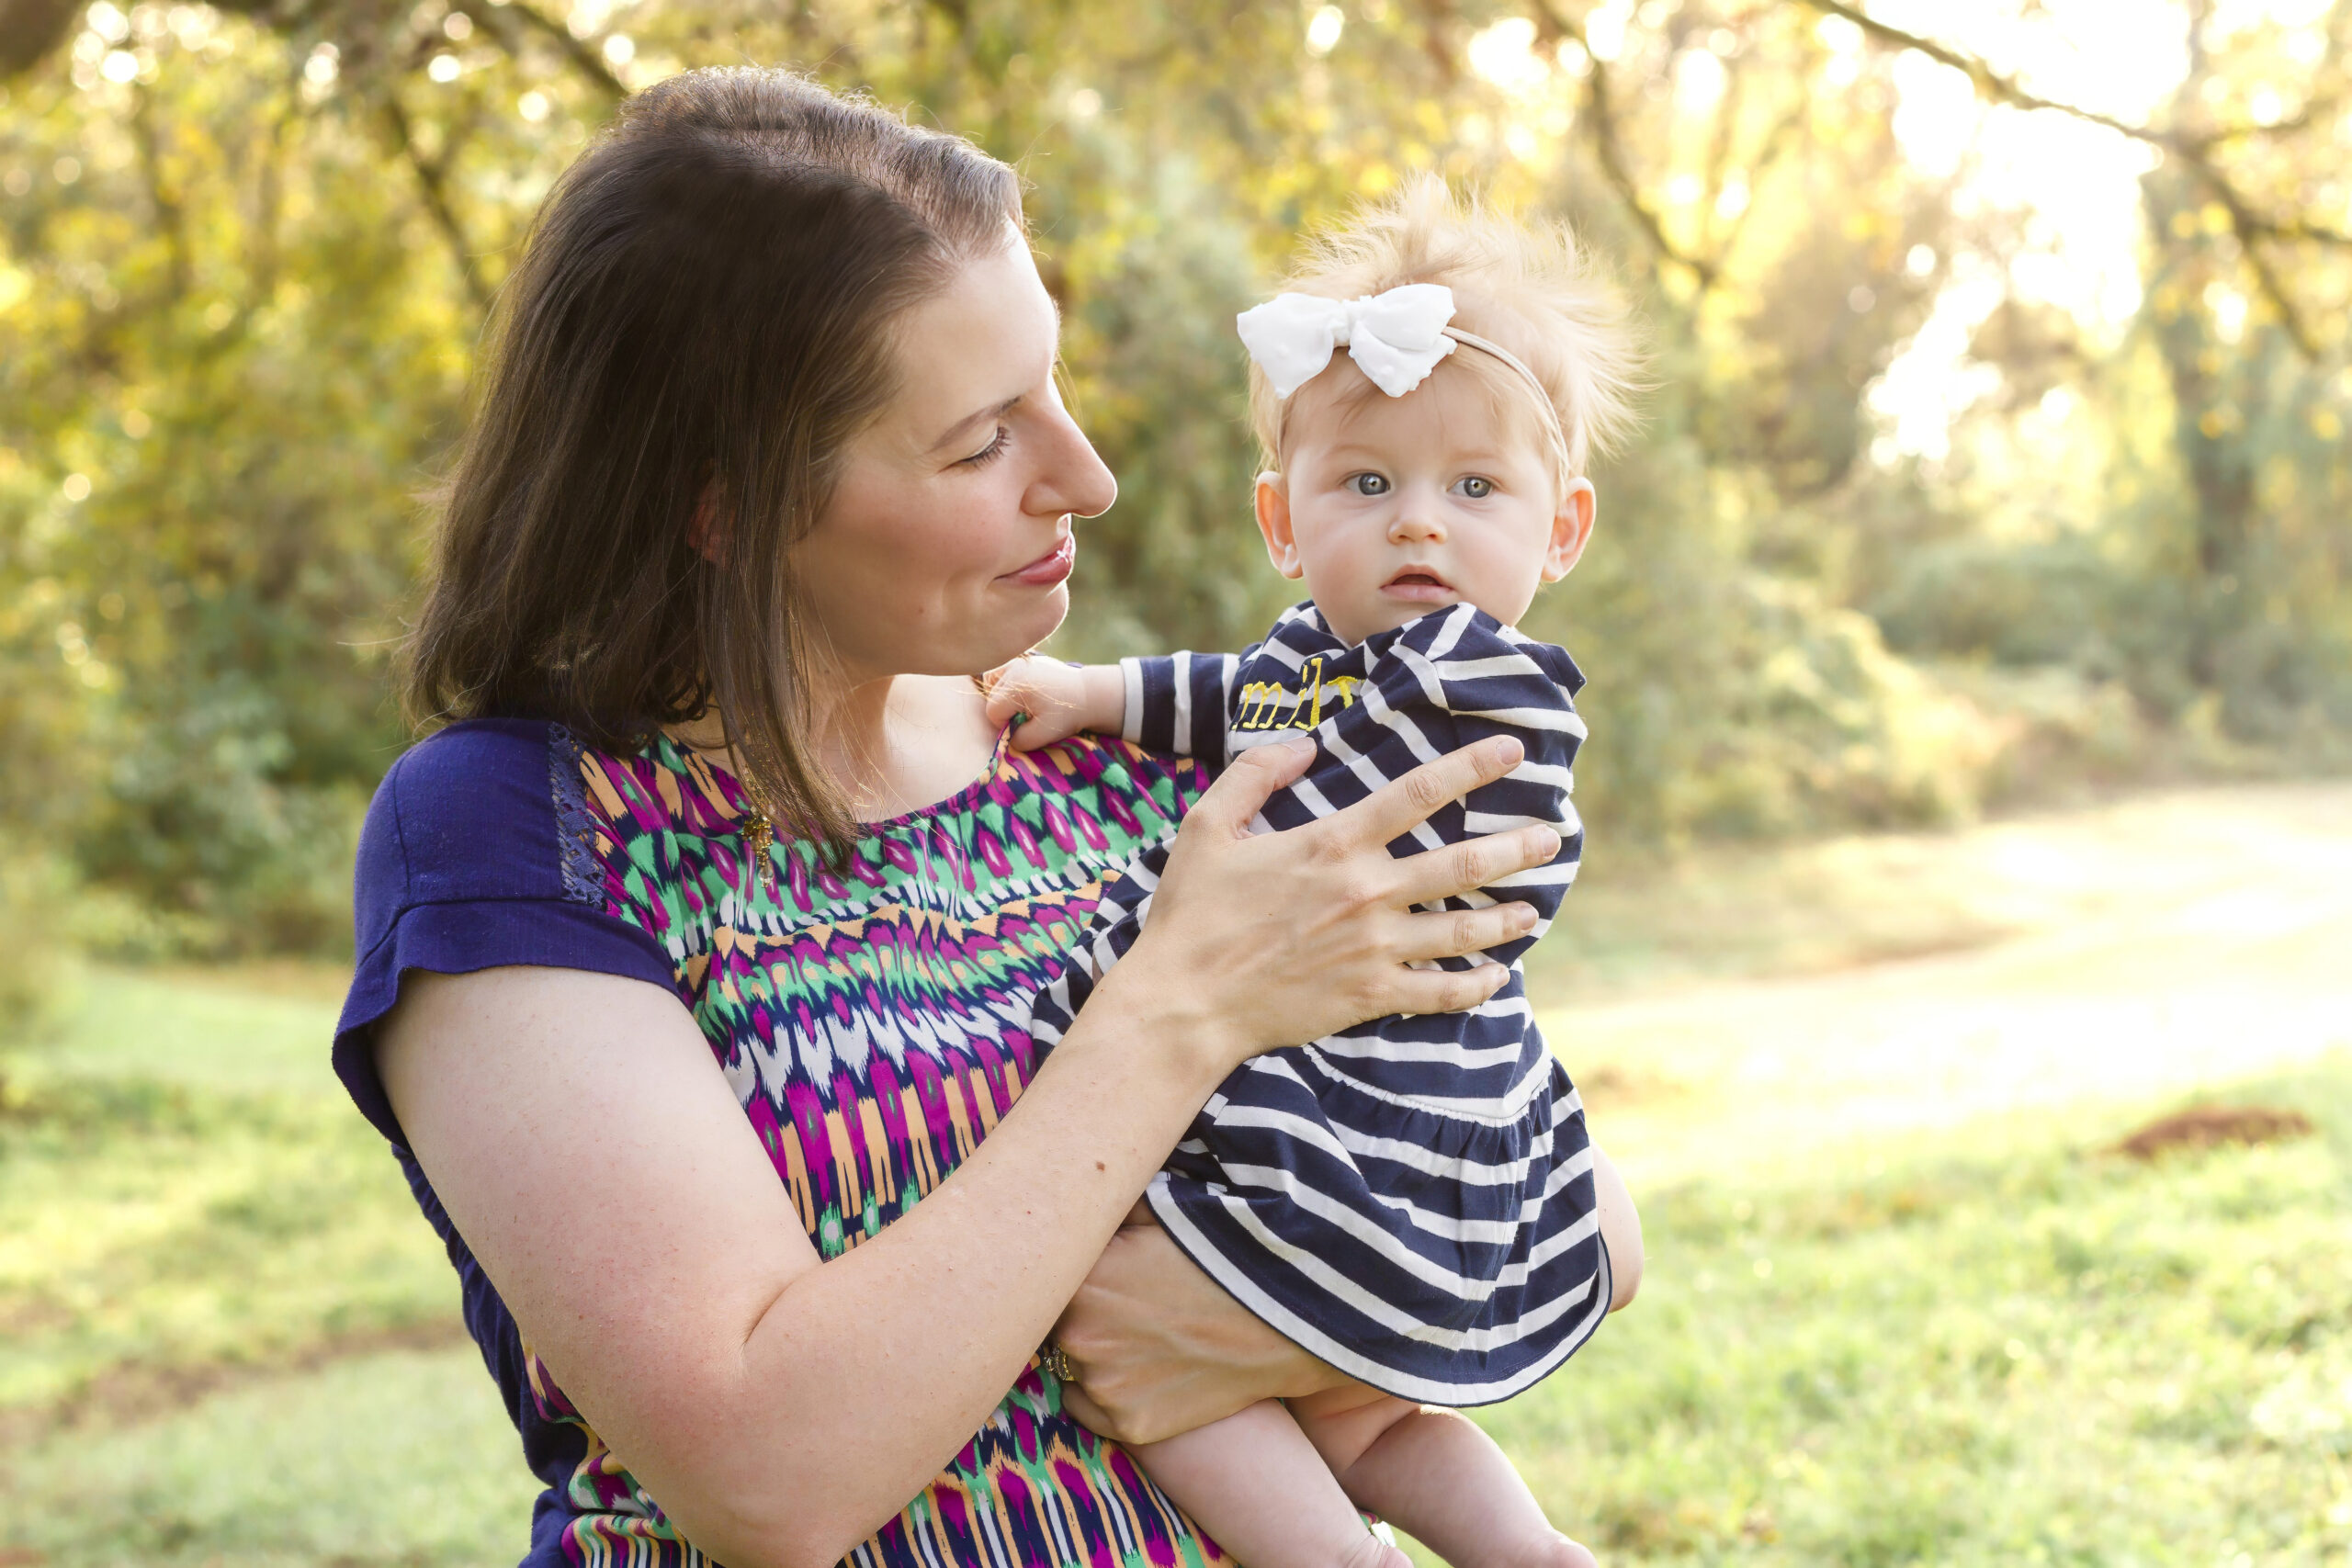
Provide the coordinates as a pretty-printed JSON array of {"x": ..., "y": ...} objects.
[{"x": 1417, "y": 582}]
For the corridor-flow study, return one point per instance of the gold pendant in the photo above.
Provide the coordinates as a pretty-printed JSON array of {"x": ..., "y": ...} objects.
[{"x": 759, "y": 840}]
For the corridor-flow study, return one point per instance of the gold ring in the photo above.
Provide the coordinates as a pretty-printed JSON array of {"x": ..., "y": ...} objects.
[{"x": 1057, "y": 1360}]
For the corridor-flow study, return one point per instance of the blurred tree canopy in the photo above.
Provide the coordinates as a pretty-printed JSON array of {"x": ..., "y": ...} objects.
[{"x": 246, "y": 249}]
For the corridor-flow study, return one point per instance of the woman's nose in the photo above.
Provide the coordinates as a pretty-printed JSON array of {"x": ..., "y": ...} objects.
[{"x": 1073, "y": 478}]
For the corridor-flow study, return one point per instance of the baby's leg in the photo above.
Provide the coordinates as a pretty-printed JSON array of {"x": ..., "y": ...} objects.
[
  {"x": 1620, "y": 1230},
  {"x": 1257, "y": 1485},
  {"x": 1435, "y": 1474}
]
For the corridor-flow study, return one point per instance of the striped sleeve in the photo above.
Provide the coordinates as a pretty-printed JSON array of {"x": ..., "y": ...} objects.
[
  {"x": 1516, "y": 697},
  {"x": 1177, "y": 703}
]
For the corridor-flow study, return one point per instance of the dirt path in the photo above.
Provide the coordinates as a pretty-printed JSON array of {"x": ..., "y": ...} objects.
[{"x": 2171, "y": 943}]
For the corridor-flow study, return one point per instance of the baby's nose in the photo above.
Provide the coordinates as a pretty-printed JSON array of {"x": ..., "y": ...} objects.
[{"x": 1418, "y": 518}]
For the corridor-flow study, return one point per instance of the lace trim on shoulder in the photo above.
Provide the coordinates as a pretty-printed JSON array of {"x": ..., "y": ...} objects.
[{"x": 575, "y": 824}]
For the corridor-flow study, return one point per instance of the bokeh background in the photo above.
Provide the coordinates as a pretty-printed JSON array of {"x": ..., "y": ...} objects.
[{"x": 1970, "y": 627}]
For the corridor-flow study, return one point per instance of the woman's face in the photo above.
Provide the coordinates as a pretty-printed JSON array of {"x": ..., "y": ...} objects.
[{"x": 948, "y": 540}]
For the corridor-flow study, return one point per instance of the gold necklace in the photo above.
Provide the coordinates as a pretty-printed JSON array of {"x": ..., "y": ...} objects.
[{"x": 759, "y": 832}]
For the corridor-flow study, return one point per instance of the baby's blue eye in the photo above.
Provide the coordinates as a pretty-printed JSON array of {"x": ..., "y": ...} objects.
[
  {"x": 1367, "y": 484},
  {"x": 1477, "y": 488}
]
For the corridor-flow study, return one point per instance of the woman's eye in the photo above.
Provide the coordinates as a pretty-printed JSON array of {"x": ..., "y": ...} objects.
[
  {"x": 994, "y": 448},
  {"x": 1477, "y": 488},
  {"x": 1368, "y": 484}
]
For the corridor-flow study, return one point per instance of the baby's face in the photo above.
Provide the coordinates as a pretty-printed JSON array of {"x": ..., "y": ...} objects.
[{"x": 1394, "y": 507}]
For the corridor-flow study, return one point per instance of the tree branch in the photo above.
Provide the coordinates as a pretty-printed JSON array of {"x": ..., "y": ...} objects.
[
  {"x": 432, "y": 178},
  {"x": 1993, "y": 88},
  {"x": 1611, "y": 152},
  {"x": 1775, "y": 142},
  {"x": 31, "y": 28},
  {"x": 171, "y": 215},
  {"x": 1991, "y": 85},
  {"x": 2266, "y": 276},
  {"x": 1436, "y": 17},
  {"x": 493, "y": 19},
  {"x": 2193, "y": 151}
]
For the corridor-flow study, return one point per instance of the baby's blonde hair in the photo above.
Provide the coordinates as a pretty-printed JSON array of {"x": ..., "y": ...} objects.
[{"x": 1526, "y": 287}]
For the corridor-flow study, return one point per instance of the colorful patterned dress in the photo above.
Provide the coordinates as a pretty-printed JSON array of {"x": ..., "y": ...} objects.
[{"x": 874, "y": 1027}]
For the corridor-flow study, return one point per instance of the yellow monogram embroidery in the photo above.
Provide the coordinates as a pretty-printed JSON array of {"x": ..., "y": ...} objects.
[{"x": 1266, "y": 705}]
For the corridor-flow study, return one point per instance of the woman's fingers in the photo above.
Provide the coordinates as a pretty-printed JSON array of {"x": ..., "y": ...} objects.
[
  {"x": 1296, "y": 934},
  {"x": 1447, "y": 991},
  {"x": 1475, "y": 862},
  {"x": 1088, "y": 1414},
  {"x": 1456, "y": 933},
  {"x": 1228, "y": 807},
  {"x": 1394, "y": 810}
]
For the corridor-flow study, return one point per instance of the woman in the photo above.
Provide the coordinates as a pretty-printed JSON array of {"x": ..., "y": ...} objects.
[{"x": 701, "y": 949}]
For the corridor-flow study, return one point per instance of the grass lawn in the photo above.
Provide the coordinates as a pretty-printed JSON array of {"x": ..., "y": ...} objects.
[
  {"x": 2003, "y": 1348},
  {"x": 1961, "y": 1336},
  {"x": 228, "y": 1335}
]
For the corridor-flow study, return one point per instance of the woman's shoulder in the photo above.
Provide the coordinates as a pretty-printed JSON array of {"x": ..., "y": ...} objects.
[
  {"x": 1144, "y": 791},
  {"x": 514, "y": 811},
  {"x": 470, "y": 859},
  {"x": 469, "y": 811}
]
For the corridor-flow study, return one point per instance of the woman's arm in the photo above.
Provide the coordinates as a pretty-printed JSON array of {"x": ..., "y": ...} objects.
[
  {"x": 1159, "y": 1348},
  {"x": 781, "y": 1409}
]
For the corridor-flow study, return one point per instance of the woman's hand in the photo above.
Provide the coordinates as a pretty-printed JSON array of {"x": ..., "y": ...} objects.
[
  {"x": 1160, "y": 1350},
  {"x": 1263, "y": 940}
]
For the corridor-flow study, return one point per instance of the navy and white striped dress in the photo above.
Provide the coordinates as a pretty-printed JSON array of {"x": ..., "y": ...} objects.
[{"x": 1410, "y": 1199}]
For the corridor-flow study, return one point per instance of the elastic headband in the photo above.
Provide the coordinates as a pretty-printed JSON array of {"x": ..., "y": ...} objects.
[{"x": 1395, "y": 339}]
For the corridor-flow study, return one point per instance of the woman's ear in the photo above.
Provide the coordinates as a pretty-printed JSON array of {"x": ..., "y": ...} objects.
[
  {"x": 702, "y": 528},
  {"x": 1273, "y": 522},
  {"x": 1571, "y": 529}
]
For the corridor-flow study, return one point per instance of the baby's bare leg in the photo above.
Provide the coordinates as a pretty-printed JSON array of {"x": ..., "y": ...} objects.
[
  {"x": 1256, "y": 1483},
  {"x": 1620, "y": 1230},
  {"x": 1436, "y": 1475}
]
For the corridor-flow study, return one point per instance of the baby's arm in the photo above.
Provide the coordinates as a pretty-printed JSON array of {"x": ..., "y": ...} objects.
[
  {"x": 1059, "y": 699},
  {"x": 1167, "y": 703}
]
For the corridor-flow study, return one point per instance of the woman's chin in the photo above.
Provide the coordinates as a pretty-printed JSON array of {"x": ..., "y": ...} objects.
[{"x": 1025, "y": 616}]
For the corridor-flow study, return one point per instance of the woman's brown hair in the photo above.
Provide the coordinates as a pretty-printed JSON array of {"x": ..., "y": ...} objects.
[{"x": 703, "y": 311}]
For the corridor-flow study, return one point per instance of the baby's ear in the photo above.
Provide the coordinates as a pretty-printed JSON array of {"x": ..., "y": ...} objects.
[
  {"x": 1571, "y": 529},
  {"x": 1274, "y": 523}
]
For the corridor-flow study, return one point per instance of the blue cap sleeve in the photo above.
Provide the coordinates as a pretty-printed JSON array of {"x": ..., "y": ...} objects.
[{"x": 465, "y": 864}]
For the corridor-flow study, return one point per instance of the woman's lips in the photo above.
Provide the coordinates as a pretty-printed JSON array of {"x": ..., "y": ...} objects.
[{"x": 1048, "y": 569}]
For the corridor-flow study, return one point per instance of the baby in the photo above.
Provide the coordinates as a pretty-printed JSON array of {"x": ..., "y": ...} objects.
[{"x": 1414, "y": 1200}]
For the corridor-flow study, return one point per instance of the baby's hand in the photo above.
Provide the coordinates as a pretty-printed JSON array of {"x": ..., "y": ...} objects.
[{"x": 1059, "y": 699}]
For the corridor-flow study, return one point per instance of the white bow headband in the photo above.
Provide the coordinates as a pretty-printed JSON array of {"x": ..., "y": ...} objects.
[{"x": 1394, "y": 338}]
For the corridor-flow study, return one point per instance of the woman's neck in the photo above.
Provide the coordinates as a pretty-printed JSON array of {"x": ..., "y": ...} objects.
[
  {"x": 852, "y": 724},
  {"x": 900, "y": 742},
  {"x": 888, "y": 744}
]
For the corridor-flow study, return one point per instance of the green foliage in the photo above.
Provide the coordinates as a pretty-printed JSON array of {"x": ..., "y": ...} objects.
[
  {"x": 245, "y": 253},
  {"x": 213, "y": 425}
]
